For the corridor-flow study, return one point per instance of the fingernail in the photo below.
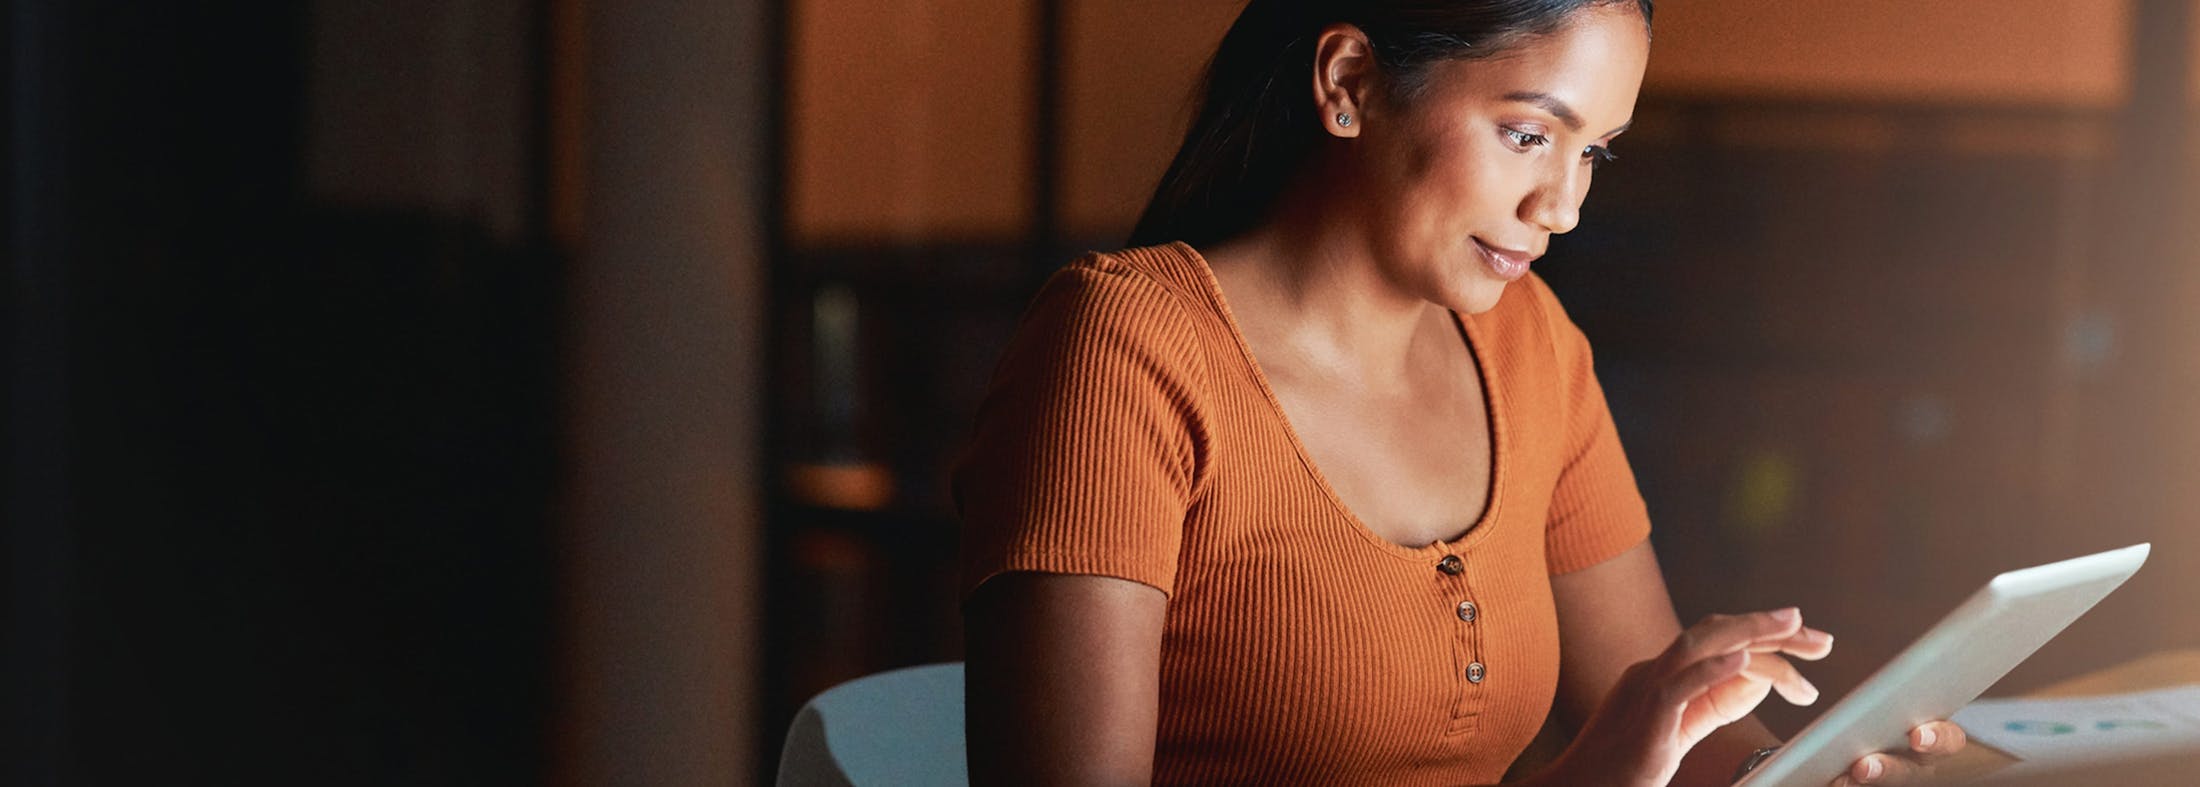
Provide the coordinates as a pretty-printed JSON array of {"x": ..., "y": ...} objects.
[
  {"x": 1872, "y": 769},
  {"x": 1925, "y": 737},
  {"x": 1785, "y": 615}
]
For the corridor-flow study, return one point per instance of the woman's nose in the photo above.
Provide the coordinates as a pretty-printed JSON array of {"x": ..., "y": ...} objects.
[{"x": 1555, "y": 204}]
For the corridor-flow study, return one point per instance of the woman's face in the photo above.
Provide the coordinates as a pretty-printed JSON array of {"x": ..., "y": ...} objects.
[{"x": 1468, "y": 180}]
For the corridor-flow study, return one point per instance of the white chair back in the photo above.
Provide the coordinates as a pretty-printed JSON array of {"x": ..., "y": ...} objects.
[{"x": 903, "y": 727}]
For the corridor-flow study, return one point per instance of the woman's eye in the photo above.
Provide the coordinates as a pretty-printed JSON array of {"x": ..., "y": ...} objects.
[
  {"x": 1598, "y": 155},
  {"x": 1524, "y": 140}
]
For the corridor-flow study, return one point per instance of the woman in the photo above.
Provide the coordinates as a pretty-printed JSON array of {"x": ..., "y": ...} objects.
[{"x": 1312, "y": 485}]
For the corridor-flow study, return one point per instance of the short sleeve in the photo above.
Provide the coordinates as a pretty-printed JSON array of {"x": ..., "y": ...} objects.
[
  {"x": 1596, "y": 510},
  {"x": 1088, "y": 446}
]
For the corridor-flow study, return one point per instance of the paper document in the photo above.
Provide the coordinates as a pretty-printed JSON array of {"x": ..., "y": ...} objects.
[{"x": 2073, "y": 730}]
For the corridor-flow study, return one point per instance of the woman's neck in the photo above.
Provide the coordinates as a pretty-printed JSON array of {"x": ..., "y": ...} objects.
[{"x": 1315, "y": 290}]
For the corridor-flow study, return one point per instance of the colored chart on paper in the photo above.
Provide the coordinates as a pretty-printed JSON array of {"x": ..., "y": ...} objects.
[
  {"x": 2085, "y": 729},
  {"x": 2033, "y": 727}
]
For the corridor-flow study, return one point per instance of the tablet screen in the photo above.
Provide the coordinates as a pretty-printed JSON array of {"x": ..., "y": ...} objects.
[{"x": 1954, "y": 662}]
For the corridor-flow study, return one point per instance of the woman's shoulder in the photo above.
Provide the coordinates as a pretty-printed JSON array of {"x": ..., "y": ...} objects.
[
  {"x": 1168, "y": 272},
  {"x": 1106, "y": 307},
  {"x": 1147, "y": 290}
]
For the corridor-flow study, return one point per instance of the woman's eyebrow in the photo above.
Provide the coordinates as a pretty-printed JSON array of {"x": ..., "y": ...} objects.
[
  {"x": 1560, "y": 110},
  {"x": 1549, "y": 103}
]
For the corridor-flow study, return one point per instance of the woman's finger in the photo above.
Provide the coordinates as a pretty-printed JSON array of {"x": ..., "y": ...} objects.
[
  {"x": 1931, "y": 740},
  {"x": 1721, "y": 634},
  {"x": 1872, "y": 768},
  {"x": 1808, "y": 644},
  {"x": 1885, "y": 769},
  {"x": 1938, "y": 738},
  {"x": 1779, "y": 672},
  {"x": 1699, "y": 677}
]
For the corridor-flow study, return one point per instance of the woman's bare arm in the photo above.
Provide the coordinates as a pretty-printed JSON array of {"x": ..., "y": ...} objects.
[{"x": 1063, "y": 679}]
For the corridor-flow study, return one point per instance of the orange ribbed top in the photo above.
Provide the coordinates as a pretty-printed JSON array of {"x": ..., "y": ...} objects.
[{"x": 1129, "y": 433}]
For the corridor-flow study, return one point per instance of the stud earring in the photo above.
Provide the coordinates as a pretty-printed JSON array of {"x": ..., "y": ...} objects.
[{"x": 1344, "y": 120}]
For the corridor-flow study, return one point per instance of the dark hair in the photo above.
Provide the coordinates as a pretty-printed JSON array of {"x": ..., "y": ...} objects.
[{"x": 1255, "y": 130}]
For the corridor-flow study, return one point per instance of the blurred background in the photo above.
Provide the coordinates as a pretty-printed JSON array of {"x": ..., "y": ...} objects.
[{"x": 519, "y": 391}]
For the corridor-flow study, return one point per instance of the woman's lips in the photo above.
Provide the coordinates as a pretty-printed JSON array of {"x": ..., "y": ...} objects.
[{"x": 1508, "y": 264}]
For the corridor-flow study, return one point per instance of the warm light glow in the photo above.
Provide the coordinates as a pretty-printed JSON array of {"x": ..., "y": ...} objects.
[
  {"x": 912, "y": 120},
  {"x": 854, "y": 486},
  {"x": 2054, "y": 52},
  {"x": 1122, "y": 116}
]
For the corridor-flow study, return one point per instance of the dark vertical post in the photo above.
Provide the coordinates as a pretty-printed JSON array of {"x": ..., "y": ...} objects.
[
  {"x": 2139, "y": 402},
  {"x": 34, "y": 498},
  {"x": 664, "y": 520},
  {"x": 772, "y": 447},
  {"x": 2157, "y": 274}
]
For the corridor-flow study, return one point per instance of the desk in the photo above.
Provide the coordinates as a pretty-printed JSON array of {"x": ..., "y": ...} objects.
[{"x": 2157, "y": 671}]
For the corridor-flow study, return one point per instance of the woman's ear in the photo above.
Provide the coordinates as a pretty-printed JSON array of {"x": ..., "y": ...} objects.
[{"x": 1344, "y": 67}]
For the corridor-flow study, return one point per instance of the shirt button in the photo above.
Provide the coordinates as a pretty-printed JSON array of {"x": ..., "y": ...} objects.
[
  {"x": 1475, "y": 672},
  {"x": 1466, "y": 611},
  {"x": 1451, "y": 564}
]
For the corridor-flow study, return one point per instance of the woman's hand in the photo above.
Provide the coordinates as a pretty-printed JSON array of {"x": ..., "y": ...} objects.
[
  {"x": 1713, "y": 674},
  {"x": 1930, "y": 743}
]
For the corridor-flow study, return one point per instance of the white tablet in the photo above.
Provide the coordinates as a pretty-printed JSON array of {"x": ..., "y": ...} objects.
[{"x": 1959, "y": 659}]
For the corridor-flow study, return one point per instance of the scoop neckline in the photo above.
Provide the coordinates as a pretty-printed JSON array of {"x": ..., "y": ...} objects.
[{"x": 1492, "y": 405}]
